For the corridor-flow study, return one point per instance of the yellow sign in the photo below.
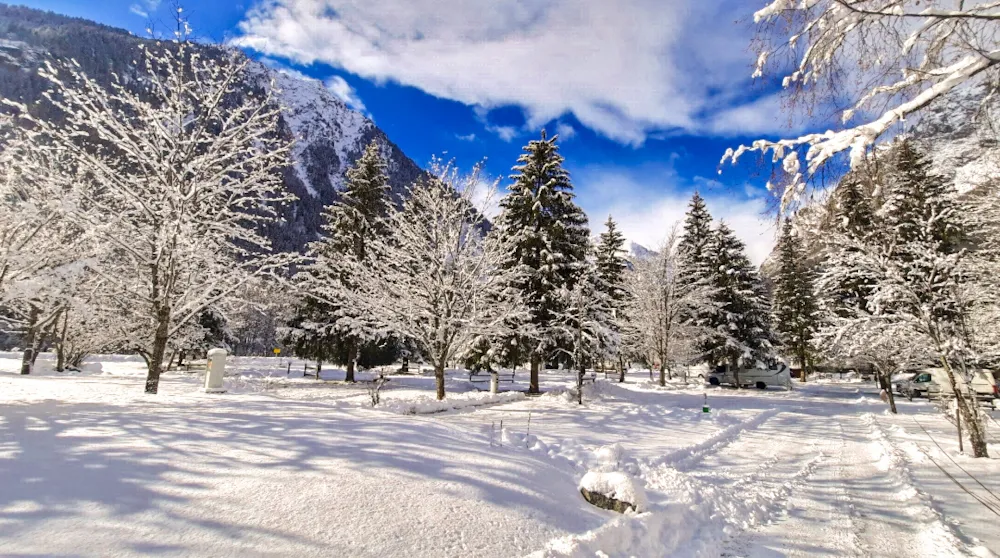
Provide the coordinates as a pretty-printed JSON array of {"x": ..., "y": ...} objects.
[{"x": 277, "y": 351}]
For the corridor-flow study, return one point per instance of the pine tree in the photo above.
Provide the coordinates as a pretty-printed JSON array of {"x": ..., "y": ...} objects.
[
  {"x": 611, "y": 268},
  {"x": 550, "y": 239},
  {"x": 794, "y": 305},
  {"x": 694, "y": 250},
  {"x": 855, "y": 221},
  {"x": 925, "y": 270},
  {"x": 358, "y": 217},
  {"x": 696, "y": 271},
  {"x": 741, "y": 318}
]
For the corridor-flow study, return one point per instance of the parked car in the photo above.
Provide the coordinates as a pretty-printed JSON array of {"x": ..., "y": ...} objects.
[
  {"x": 899, "y": 381},
  {"x": 933, "y": 383},
  {"x": 760, "y": 376}
]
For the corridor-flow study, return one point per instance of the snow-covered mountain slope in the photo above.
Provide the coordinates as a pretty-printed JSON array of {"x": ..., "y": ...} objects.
[
  {"x": 961, "y": 134},
  {"x": 329, "y": 135}
]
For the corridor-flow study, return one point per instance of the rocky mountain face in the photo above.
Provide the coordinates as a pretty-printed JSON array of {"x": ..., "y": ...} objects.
[
  {"x": 961, "y": 133},
  {"x": 329, "y": 135}
]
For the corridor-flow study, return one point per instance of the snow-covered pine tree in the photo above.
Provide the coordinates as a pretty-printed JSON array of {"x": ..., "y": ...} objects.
[
  {"x": 794, "y": 306},
  {"x": 852, "y": 331},
  {"x": 693, "y": 251},
  {"x": 352, "y": 222},
  {"x": 926, "y": 282},
  {"x": 741, "y": 317},
  {"x": 696, "y": 270},
  {"x": 178, "y": 178},
  {"x": 611, "y": 268},
  {"x": 548, "y": 238}
]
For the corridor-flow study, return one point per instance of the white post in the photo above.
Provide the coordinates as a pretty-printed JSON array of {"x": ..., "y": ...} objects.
[
  {"x": 216, "y": 371},
  {"x": 494, "y": 382}
]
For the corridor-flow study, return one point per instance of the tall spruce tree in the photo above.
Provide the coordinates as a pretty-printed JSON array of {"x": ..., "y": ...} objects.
[
  {"x": 847, "y": 291},
  {"x": 550, "y": 240},
  {"x": 794, "y": 305},
  {"x": 611, "y": 268},
  {"x": 741, "y": 317},
  {"x": 694, "y": 257},
  {"x": 696, "y": 271},
  {"x": 351, "y": 223},
  {"x": 926, "y": 274}
]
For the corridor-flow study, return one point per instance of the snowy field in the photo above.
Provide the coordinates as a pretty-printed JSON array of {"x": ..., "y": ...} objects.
[{"x": 298, "y": 467}]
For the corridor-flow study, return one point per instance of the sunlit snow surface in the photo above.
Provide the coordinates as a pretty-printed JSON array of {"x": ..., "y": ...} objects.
[{"x": 286, "y": 465}]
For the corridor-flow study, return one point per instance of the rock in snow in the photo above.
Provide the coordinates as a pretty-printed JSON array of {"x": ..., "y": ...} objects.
[{"x": 613, "y": 491}]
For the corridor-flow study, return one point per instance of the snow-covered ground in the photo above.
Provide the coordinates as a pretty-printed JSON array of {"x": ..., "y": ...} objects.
[{"x": 294, "y": 466}]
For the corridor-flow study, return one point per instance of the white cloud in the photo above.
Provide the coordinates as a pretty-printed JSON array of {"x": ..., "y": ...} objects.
[
  {"x": 506, "y": 133},
  {"x": 565, "y": 131},
  {"x": 467, "y": 137},
  {"x": 647, "y": 202},
  {"x": 624, "y": 68},
  {"x": 144, "y": 8},
  {"x": 343, "y": 90}
]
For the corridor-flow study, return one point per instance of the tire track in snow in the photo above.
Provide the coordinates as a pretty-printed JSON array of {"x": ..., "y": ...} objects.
[
  {"x": 685, "y": 458},
  {"x": 697, "y": 522},
  {"x": 935, "y": 531}
]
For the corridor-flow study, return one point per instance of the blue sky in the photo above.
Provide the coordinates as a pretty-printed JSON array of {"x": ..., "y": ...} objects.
[{"x": 645, "y": 94}]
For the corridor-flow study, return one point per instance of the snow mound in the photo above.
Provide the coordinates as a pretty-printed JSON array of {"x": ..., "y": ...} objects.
[
  {"x": 619, "y": 486},
  {"x": 427, "y": 405},
  {"x": 610, "y": 455}
]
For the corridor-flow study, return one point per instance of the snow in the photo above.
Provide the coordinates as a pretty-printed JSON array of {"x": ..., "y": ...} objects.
[
  {"x": 285, "y": 465},
  {"x": 427, "y": 405}
]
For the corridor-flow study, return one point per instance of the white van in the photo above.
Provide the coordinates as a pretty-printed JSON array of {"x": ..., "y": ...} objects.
[
  {"x": 760, "y": 376},
  {"x": 933, "y": 383}
]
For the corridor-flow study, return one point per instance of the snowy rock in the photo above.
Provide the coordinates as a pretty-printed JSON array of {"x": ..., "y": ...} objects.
[{"x": 613, "y": 491}]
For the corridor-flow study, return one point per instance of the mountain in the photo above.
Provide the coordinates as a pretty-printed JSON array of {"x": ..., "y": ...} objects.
[
  {"x": 329, "y": 135},
  {"x": 639, "y": 252},
  {"x": 960, "y": 134}
]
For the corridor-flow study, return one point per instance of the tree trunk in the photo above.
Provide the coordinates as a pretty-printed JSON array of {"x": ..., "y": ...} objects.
[
  {"x": 621, "y": 369},
  {"x": 663, "y": 375},
  {"x": 536, "y": 364},
  {"x": 155, "y": 362},
  {"x": 439, "y": 379},
  {"x": 406, "y": 366},
  {"x": 39, "y": 343},
  {"x": 579, "y": 384},
  {"x": 352, "y": 358},
  {"x": 802, "y": 362},
  {"x": 61, "y": 345},
  {"x": 28, "y": 358},
  {"x": 319, "y": 368},
  {"x": 736, "y": 371},
  {"x": 968, "y": 413},
  {"x": 892, "y": 398}
]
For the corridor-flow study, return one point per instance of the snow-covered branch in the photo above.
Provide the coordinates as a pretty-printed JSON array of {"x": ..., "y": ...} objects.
[
  {"x": 910, "y": 55},
  {"x": 437, "y": 279}
]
